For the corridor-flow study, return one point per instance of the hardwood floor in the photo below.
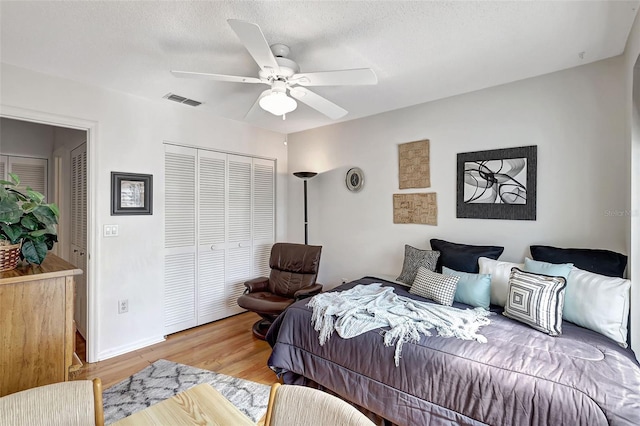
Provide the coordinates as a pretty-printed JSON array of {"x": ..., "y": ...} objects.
[{"x": 226, "y": 346}]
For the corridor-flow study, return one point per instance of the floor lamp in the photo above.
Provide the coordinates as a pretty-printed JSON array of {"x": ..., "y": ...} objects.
[{"x": 305, "y": 176}]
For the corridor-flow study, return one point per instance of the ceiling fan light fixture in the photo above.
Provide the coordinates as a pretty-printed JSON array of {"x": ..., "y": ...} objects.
[
  {"x": 283, "y": 75},
  {"x": 278, "y": 103}
]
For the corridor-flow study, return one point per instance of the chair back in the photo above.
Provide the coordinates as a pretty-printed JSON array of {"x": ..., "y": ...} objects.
[
  {"x": 303, "y": 406},
  {"x": 74, "y": 403},
  {"x": 293, "y": 266}
]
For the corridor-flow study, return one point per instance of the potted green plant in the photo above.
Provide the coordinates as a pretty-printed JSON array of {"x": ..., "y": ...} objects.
[{"x": 27, "y": 220}]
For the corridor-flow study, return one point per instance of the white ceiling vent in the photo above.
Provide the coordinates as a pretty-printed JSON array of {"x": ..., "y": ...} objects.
[{"x": 181, "y": 100}]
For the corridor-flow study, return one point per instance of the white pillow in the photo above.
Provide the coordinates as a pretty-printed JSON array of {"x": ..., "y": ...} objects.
[
  {"x": 599, "y": 303},
  {"x": 500, "y": 272}
]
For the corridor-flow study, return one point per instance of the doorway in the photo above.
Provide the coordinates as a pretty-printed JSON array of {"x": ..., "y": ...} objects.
[
  {"x": 57, "y": 139},
  {"x": 634, "y": 244}
]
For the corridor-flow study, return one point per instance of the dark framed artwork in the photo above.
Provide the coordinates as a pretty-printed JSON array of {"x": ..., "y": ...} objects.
[
  {"x": 131, "y": 194},
  {"x": 497, "y": 184}
]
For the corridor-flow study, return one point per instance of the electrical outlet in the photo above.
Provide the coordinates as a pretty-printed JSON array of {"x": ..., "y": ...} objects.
[{"x": 123, "y": 306}]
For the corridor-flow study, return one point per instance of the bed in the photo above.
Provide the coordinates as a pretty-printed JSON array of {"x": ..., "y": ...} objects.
[{"x": 520, "y": 376}]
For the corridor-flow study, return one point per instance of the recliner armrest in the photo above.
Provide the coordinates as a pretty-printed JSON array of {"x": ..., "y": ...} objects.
[
  {"x": 312, "y": 290},
  {"x": 256, "y": 284}
]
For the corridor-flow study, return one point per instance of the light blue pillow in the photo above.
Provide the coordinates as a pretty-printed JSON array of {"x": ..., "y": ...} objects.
[
  {"x": 545, "y": 268},
  {"x": 473, "y": 289}
]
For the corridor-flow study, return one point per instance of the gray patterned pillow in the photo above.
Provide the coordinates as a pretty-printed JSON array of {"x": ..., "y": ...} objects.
[
  {"x": 536, "y": 300},
  {"x": 415, "y": 258},
  {"x": 434, "y": 286}
]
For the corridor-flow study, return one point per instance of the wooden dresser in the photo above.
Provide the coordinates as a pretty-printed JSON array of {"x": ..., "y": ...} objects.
[{"x": 36, "y": 324}]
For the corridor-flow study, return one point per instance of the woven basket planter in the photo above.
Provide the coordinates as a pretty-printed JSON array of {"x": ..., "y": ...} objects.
[{"x": 9, "y": 255}]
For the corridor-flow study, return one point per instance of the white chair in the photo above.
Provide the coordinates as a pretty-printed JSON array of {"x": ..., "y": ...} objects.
[
  {"x": 302, "y": 406},
  {"x": 74, "y": 403}
]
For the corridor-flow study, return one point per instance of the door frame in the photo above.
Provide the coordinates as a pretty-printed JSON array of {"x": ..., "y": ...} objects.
[{"x": 91, "y": 273}]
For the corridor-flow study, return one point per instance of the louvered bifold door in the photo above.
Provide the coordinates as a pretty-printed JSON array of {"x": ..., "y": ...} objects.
[
  {"x": 263, "y": 214},
  {"x": 180, "y": 266},
  {"x": 78, "y": 227},
  {"x": 3, "y": 167},
  {"x": 238, "y": 265},
  {"x": 31, "y": 171},
  {"x": 79, "y": 197},
  {"x": 211, "y": 236}
]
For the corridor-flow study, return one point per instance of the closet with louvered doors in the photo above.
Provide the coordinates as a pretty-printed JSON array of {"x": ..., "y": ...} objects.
[
  {"x": 219, "y": 222},
  {"x": 31, "y": 171}
]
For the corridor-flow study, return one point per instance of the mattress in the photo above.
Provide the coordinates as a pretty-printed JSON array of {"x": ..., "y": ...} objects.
[{"x": 520, "y": 376}]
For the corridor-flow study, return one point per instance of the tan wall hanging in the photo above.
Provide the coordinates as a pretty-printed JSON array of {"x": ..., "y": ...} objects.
[
  {"x": 415, "y": 208},
  {"x": 413, "y": 165}
]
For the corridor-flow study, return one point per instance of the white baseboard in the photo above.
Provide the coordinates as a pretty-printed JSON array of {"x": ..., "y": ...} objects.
[{"x": 121, "y": 350}]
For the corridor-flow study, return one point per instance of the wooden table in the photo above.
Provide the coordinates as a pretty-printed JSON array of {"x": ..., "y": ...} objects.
[{"x": 200, "y": 405}]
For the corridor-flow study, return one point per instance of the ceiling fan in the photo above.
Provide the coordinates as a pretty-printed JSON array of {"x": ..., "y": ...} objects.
[{"x": 282, "y": 74}]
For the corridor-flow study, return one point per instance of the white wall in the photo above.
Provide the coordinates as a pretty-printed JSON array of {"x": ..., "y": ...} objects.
[
  {"x": 632, "y": 91},
  {"x": 25, "y": 138},
  {"x": 129, "y": 137},
  {"x": 575, "y": 117}
]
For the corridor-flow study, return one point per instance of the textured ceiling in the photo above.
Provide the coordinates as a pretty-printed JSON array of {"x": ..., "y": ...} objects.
[{"x": 420, "y": 51}]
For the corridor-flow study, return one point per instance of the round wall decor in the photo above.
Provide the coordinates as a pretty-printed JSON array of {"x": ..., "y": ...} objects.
[{"x": 355, "y": 179}]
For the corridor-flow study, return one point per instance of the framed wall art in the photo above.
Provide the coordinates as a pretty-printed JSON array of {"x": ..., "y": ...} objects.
[
  {"x": 354, "y": 179},
  {"x": 421, "y": 208},
  {"x": 497, "y": 184},
  {"x": 131, "y": 194},
  {"x": 413, "y": 165}
]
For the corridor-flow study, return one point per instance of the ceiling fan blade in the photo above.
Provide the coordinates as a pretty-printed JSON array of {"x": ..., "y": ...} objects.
[
  {"x": 354, "y": 77},
  {"x": 318, "y": 103},
  {"x": 217, "y": 77},
  {"x": 251, "y": 36},
  {"x": 255, "y": 108}
]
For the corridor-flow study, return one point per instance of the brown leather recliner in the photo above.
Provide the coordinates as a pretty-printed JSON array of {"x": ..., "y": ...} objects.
[{"x": 294, "y": 269}]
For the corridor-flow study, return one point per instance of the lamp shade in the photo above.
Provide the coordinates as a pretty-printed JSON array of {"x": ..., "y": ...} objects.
[
  {"x": 305, "y": 175},
  {"x": 278, "y": 103}
]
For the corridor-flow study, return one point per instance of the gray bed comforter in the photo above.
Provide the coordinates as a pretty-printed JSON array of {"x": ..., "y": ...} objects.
[{"x": 520, "y": 377}]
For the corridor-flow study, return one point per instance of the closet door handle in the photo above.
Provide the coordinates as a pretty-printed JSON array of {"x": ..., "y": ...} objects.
[{"x": 213, "y": 247}]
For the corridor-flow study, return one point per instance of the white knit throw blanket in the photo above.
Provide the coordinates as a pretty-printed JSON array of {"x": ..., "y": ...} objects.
[{"x": 367, "y": 307}]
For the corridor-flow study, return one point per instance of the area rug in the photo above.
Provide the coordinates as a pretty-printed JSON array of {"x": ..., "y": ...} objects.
[{"x": 164, "y": 379}]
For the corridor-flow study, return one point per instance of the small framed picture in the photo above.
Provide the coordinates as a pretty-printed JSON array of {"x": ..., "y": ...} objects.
[{"x": 131, "y": 194}]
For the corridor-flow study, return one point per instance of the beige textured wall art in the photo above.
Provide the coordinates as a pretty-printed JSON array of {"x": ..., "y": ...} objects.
[
  {"x": 415, "y": 208},
  {"x": 413, "y": 165}
]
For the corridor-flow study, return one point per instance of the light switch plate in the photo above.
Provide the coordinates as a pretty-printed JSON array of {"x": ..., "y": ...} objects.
[{"x": 110, "y": 230}]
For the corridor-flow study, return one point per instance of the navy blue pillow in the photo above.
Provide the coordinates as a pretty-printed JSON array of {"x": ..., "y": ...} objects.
[
  {"x": 463, "y": 257},
  {"x": 603, "y": 262}
]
